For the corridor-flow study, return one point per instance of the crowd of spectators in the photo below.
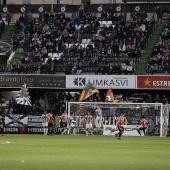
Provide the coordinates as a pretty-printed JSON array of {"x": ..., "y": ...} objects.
[
  {"x": 159, "y": 62},
  {"x": 57, "y": 101},
  {"x": 55, "y": 43}
]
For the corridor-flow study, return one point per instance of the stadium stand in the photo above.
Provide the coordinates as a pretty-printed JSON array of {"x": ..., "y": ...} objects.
[
  {"x": 58, "y": 44},
  {"x": 159, "y": 61}
]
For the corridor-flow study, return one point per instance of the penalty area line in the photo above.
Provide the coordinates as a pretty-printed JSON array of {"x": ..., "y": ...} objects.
[{"x": 5, "y": 142}]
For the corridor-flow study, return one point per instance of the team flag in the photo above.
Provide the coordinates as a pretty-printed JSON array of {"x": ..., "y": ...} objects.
[
  {"x": 23, "y": 97},
  {"x": 109, "y": 95},
  {"x": 88, "y": 91},
  {"x": 111, "y": 98}
]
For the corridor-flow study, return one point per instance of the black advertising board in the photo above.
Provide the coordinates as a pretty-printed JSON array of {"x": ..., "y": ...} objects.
[
  {"x": 33, "y": 81},
  {"x": 27, "y": 124}
]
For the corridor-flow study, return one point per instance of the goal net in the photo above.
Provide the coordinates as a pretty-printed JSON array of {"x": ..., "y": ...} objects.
[{"x": 156, "y": 114}]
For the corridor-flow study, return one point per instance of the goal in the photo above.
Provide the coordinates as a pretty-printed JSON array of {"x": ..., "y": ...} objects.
[{"x": 156, "y": 114}]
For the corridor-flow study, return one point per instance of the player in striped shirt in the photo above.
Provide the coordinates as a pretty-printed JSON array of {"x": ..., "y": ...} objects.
[
  {"x": 44, "y": 119},
  {"x": 89, "y": 126},
  {"x": 72, "y": 124},
  {"x": 98, "y": 121}
]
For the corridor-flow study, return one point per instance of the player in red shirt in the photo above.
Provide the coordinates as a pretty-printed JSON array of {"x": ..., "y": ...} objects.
[
  {"x": 120, "y": 126},
  {"x": 64, "y": 119},
  {"x": 143, "y": 126},
  {"x": 50, "y": 123}
]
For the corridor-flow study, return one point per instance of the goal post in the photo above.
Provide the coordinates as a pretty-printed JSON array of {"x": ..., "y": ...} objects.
[{"x": 156, "y": 114}]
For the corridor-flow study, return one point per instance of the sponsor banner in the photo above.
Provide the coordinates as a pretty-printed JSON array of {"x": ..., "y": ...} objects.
[
  {"x": 16, "y": 120},
  {"x": 101, "y": 81},
  {"x": 20, "y": 129},
  {"x": 23, "y": 124},
  {"x": 49, "y": 81},
  {"x": 43, "y": 81},
  {"x": 153, "y": 82},
  {"x": 9, "y": 129},
  {"x": 39, "y": 130},
  {"x": 29, "y": 130},
  {"x": 35, "y": 130},
  {"x": 34, "y": 121},
  {"x": 130, "y": 130}
]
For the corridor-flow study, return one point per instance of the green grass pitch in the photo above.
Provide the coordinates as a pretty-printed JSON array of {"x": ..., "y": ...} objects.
[{"x": 39, "y": 152}]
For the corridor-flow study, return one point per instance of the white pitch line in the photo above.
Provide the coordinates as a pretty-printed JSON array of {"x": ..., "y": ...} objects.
[{"x": 4, "y": 142}]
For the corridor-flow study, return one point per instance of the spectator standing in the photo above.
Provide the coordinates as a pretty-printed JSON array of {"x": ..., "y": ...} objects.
[
  {"x": 2, "y": 26},
  {"x": 159, "y": 12},
  {"x": 81, "y": 12}
]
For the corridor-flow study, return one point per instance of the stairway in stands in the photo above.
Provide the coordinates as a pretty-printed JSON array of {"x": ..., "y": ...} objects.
[
  {"x": 148, "y": 51},
  {"x": 6, "y": 37},
  {"x": 8, "y": 33},
  {"x": 17, "y": 56}
]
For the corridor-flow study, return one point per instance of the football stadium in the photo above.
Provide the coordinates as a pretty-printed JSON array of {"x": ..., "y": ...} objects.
[{"x": 84, "y": 84}]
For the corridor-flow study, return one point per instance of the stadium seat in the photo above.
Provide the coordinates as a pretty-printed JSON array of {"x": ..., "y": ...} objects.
[
  {"x": 59, "y": 54},
  {"x": 50, "y": 54},
  {"x": 55, "y": 55},
  {"x": 104, "y": 22},
  {"x": 88, "y": 40},
  {"x": 70, "y": 45},
  {"x": 109, "y": 22},
  {"x": 84, "y": 41},
  {"x": 67, "y": 45},
  {"x": 83, "y": 45},
  {"x": 46, "y": 60}
]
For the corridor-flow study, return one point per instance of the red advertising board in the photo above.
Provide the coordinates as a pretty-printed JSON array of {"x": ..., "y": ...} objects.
[{"x": 153, "y": 82}]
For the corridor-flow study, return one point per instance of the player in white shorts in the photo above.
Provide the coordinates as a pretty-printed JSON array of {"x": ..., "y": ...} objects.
[
  {"x": 98, "y": 120},
  {"x": 89, "y": 126},
  {"x": 44, "y": 119},
  {"x": 72, "y": 124}
]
